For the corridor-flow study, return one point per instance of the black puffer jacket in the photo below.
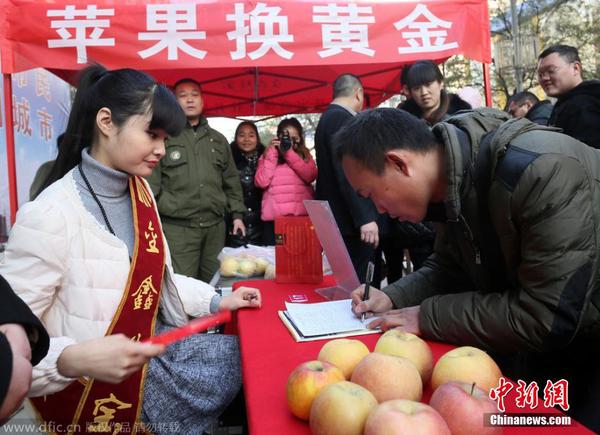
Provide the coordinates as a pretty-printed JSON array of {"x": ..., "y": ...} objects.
[
  {"x": 452, "y": 102},
  {"x": 578, "y": 113},
  {"x": 252, "y": 197}
]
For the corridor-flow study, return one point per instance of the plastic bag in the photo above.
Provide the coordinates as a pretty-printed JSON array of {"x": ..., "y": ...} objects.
[{"x": 245, "y": 262}]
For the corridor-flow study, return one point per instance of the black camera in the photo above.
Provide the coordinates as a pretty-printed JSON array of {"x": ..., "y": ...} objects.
[{"x": 285, "y": 142}]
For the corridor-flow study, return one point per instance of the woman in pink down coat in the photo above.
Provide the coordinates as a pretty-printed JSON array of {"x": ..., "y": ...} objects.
[{"x": 286, "y": 175}]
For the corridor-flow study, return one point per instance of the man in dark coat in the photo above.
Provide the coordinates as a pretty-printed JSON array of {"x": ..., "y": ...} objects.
[
  {"x": 527, "y": 105},
  {"x": 577, "y": 110},
  {"x": 356, "y": 217},
  {"x": 516, "y": 265},
  {"x": 23, "y": 344}
]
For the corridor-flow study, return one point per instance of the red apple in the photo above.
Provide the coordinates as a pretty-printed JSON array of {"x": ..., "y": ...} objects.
[
  {"x": 466, "y": 364},
  {"x": 306, "y": 381},
  {"x": 341, "y": 409},
  {"x": 405, "y": 417},
  {"x": 463, "y": 407},
  {"x": 389, "y": 377}
]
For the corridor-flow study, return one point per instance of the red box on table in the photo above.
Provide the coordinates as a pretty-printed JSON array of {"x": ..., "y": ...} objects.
[{"x": 297, "y": 251}]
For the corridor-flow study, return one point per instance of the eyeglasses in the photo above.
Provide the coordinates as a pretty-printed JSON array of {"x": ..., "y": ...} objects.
[{"x": 551, "y": 71}]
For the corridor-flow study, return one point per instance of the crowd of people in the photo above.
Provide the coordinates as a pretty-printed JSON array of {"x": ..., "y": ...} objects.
[{"x": 126, "y": 225}]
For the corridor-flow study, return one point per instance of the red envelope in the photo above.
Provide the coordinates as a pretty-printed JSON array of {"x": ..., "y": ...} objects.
[{"x": 193, "y": 327}]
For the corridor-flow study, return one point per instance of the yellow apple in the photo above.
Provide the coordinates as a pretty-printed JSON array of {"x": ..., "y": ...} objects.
[
  {"x": 247, "y": 267},
  {"x": 305, "y": 382},
  {"x": 229, "y": 266},
  {"x": 405, "y": 417},
  {"x": 341, "y": 408},
  {"x": 464, "y": 406},
  {"x": 466, "y": 364},
  {"x": 398, "y": 343},
  {"x": 344, "y": 354},
  {"x": 261, "y": 265},
  {"x": 389, "y": 377},
  {"x": 270, "y": 271}
]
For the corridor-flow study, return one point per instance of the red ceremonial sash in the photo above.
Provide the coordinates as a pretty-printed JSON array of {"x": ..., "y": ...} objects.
[{"x": 92, "y": 406}]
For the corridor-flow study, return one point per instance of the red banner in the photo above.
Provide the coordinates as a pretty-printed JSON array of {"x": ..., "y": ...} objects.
[{"x": 231, "y": 37}]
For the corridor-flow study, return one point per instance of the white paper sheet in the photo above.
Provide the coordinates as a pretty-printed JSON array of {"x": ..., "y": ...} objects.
[{"x": 324, "y": 317}]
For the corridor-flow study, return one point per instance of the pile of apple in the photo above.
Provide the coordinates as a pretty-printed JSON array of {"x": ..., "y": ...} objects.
[
  {"x": 245, "y": 265},
  {"x": 350, "y": 391}
]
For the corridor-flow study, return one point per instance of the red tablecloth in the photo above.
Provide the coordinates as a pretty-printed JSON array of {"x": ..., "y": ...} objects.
[{"x": 269, "y": 354}]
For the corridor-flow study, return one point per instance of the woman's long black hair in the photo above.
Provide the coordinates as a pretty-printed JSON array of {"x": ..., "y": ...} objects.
[
  {"x": 300, "y": 147},
  {"x": 126, "y": 92},
  {"x": 235, "y": 149}
]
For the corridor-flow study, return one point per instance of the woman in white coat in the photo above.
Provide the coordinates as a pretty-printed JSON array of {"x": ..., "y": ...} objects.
[{"x": 89, "y": 257}]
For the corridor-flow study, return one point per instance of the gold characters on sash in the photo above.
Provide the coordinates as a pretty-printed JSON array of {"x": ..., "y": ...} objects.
[
  {"x": 104, "y": 413},
  {"x": 144, "y": 196},
  {"x": 145, "y": 293},
  {"x": 151, "y": 236}
]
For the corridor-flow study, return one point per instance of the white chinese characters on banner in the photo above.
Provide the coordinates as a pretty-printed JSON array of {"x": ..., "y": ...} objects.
[
  {"x": 263, "y": 22},
  {"x": 265, "y": 28},
  {"x": 344, "y": 27},
  {"x": 421, "y": 33},
  {"x": 81, "y": 40},
  {"x": 171, "y": 25}
]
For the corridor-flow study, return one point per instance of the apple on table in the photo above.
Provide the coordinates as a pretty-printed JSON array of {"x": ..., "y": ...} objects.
[
  {"x": 399, "y": 343},
  {"x": 405, "y": 417},
  {"x": 464, "y": 407},
  {"x": 306, "y": 381},
  {"x": 466, "y": 364},
  {"x": 344, "y": 353},
  {"x": 341, "y": 408},
  {"x": 389, "y": 377}
]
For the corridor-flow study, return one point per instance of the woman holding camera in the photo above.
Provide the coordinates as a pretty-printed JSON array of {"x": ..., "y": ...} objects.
[{"x": 285, "y": 172}]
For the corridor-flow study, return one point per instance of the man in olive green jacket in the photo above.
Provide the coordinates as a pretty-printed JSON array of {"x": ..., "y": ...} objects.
[
  {"x": 515, "y": 269},
  {"x": 195, "y": 184}
]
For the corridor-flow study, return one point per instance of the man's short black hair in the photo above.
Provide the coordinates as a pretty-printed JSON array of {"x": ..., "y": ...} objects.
[
  {"x": 521, "y": 97},
  {"x": 370, "y": 134},
  {"x": 186, "y": 80},
  {"x": 345, "y": 84},
  {"x": 567, "y": 52}
]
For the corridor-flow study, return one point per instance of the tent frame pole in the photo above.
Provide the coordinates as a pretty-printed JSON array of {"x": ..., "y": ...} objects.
[
  {"x": 10, "y": 148},
  {"x": 487, "y": 84}
]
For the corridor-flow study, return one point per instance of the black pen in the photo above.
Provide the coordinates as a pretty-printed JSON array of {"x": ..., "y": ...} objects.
[{"x": 368, "y": 280}]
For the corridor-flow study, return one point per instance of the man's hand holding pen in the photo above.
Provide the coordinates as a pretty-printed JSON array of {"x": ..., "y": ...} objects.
[{"x": 378, "y": 302}]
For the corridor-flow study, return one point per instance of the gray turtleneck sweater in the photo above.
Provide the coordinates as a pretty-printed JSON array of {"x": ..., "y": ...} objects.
[{"x": 112, "y": 189}]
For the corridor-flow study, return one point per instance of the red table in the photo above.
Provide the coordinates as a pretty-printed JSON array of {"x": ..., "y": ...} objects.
[{"x": 269, "y": 354}]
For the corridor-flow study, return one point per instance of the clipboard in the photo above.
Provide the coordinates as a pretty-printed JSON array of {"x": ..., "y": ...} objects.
[
  {"x": 298, "y": 337},
  {"x": 333, "y": 244}
]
